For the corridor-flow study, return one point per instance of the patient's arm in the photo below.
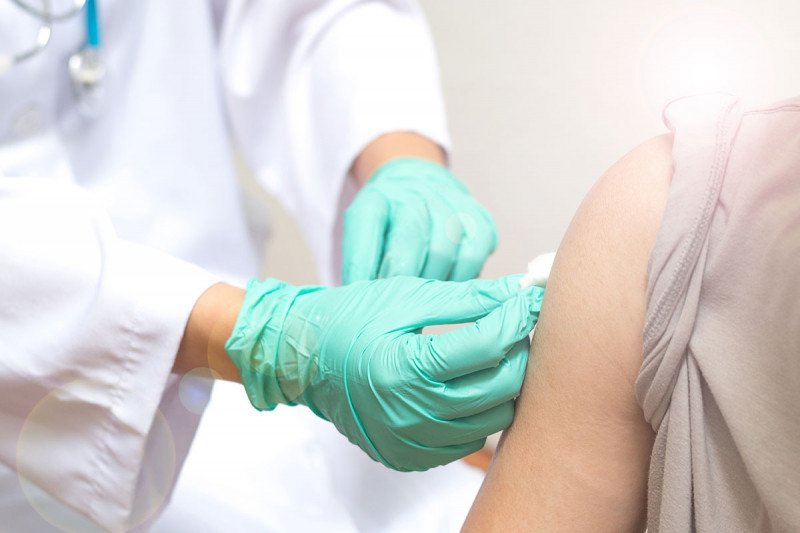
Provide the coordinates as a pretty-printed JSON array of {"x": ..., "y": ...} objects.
[{"x": 577, "y": 455}]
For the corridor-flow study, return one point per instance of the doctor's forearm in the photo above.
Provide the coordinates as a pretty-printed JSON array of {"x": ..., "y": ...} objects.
[
  {"x": 208, "y": 328},
  {"x": 391, "y": 146}
]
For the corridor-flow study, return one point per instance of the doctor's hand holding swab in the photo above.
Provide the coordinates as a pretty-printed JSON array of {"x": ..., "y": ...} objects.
[{"x": 356, "y": 356}]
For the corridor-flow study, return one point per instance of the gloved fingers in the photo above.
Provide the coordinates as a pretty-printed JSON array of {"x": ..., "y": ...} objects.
[
  {"x": 483, "y": 344},
  {"x": 406, "y": 244},
  {"x": 447, "y": 302},
  {"x": 443, "y": 247},
  {"x": 486, "y": 389},
  {"x": 472, "y": 428},
  {"x": 479, "y": 391},
  {"x": 365, "y": 225},
  {"x": 478, "y": 241}
]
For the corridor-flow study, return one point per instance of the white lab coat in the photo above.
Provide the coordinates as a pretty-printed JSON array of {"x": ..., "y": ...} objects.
[{"x": 113, "y": 223}]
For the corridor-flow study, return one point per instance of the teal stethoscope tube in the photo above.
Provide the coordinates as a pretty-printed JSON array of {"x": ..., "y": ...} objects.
[{"x": 93, "y": 36}]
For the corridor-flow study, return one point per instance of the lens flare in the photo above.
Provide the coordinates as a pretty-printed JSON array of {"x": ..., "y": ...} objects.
[
  {"x": 41, "y": 443},
  {"x": 702, "y": 50},
  {"x": 194, "y": 389}
]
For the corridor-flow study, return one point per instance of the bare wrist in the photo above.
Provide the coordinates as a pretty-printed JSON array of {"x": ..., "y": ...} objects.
[
  {"x": 391, "y": 146},
  {"x": 209, "y": 326}
]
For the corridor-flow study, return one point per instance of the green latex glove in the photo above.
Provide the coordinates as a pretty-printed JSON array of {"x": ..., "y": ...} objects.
[
  {"x": 415, "y": 218},
  {"x": 356, "y": 357}
]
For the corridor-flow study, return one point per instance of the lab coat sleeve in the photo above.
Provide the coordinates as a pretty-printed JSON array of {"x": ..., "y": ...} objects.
[
  {"x": 308, "y": 84},
  {"x": 89, "y": 329}
]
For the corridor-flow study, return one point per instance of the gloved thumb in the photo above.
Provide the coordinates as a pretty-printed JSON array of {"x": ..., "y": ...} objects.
[{"x": 486, "y": 342}]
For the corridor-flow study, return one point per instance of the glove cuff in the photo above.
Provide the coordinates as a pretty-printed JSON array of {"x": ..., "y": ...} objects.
[
  {"x": 403, "y": 167},
  {"x": 255, "y": 341}
]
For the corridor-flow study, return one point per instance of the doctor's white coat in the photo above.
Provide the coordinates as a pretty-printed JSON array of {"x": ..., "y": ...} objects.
[{"x": 114, "y": 219}]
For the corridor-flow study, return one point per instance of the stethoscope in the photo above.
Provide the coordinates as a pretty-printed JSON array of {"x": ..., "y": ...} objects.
[{"x": 86, "y": 67}]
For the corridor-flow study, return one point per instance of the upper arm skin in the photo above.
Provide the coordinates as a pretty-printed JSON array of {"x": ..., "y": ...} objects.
[{"x": 577, "y": 454}]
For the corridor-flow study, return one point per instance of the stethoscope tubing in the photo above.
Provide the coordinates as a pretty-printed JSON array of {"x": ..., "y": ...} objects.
[
  {"x": 47, "y": 18},
  {"x": 93, "y": 37},
  {"x": 46, "y": 14}
]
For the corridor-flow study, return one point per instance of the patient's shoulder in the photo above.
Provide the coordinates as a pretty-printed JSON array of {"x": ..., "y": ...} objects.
[
  {"x": 608, "y": 243},
  {"x": 638, "y": 182},
  {"x": 576, "y": 456}
]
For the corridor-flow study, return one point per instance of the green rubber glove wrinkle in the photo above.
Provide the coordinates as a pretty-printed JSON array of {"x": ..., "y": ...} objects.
[{"x": 354, "y": 355}]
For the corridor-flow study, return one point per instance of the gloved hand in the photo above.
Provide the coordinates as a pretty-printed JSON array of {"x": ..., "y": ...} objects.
[
  {"x": 415, "y": 218},
  {"x": 356, "y": 357}
]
